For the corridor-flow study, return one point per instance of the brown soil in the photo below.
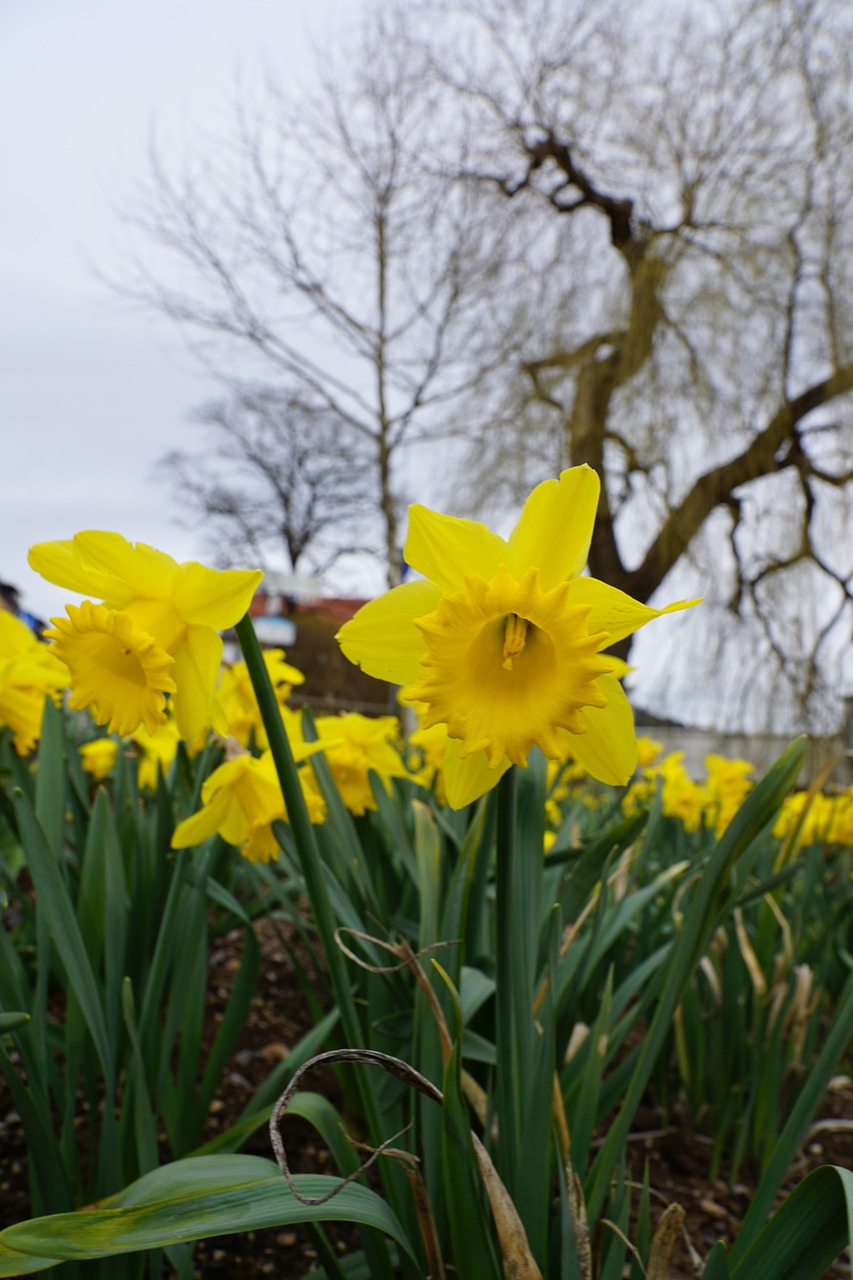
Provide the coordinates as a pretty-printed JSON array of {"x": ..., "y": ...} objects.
[
  {"x": 678, "y": 1174},
  {"x": 678, "y": 1158}
]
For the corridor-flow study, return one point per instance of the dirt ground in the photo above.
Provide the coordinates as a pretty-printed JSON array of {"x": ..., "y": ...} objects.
[{"x": 678, "y": 1158}]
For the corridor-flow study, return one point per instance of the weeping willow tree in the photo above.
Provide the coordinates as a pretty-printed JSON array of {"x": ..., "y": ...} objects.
[
  {"x": 507, "y": 236},
  {"x": 682, "y": 315}
]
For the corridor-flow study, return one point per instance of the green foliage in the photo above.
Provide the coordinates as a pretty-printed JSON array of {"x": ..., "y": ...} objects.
[
  {"x": 104, "y": 975},
  {"x": 548, "y": 995},
  {"x": 185, "y": 1201}
]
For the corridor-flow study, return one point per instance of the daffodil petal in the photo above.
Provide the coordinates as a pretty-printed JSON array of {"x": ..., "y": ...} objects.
[
  {"x": 57, "y": 562},
  {"x": 554, "y": 529},
  {"x": 139, "y": 568},
  {"x": 22, "y": 710},
  {"x": 382, "y": 637},
  {"x": 615, "y": 612},
  {"x": 202, "y": 825},
  {"x": 469, "y": 777},
  {"x": 214, "y": 597},
  {"x": 233, "y": 821},
  {"x": 196, "y": 668},
  {"x": 608, "y": 748},
  {"x": 445, "y": 548},
  {"x": 16, "y": 638}
]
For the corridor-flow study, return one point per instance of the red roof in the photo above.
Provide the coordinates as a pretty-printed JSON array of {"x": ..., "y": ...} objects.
[{"x": 338, "y": 608}]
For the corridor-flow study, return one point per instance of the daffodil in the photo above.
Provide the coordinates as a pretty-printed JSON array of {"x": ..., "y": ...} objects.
[
  {"x": 154, "y": 632},
  {"x": 356, "y": 746},
  {"x": 240, "y": 702},
  {"x": 29, "y": 672},
  {"x": 826, "y": 819},
  {"x": 648, "y": 750},
  {"x": 681, "y": 797},
  {"x": 241, "y": 800},
  {"x": 426, "y": 762},
  {"x": 99, "y": 757},
  {"x": 503, "y": 641},
  {"x": 728, "y": 784},
  {"x": 156, "y": 751}
]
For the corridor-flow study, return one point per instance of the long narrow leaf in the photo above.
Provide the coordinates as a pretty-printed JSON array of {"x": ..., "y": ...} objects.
[
  {"x": 701, "y": 919},
  {"x": 811, "y": 1093},
  {"x": 56, "y": 904},
  {"x": 808, "y": 1232},
  {"x": 189, "y": 1200}
]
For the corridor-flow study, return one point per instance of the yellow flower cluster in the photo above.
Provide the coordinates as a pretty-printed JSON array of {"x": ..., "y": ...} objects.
[
  {"x": 828, "y": 818},
  {"x": 242, "y": 799},
  {"x": 711, "y": 803},
  {"x": 354, "y": 746},
  {"x": 99, "y": 757},
  {"x": 29, "y": 673},
  {"x": 239, "y": 702}
]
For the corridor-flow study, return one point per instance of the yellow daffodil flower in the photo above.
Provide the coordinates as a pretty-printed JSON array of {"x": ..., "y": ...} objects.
[
  {"x": 238, "y": 696},
  {"x": 354, "y": 745},
  {"x": 426, "y": 763},
  {"x": 648, "y": 750},
  {"x": 728, "y": 784},
  {"x": 29, "y": 672},
  {"x": 828, "y": 818},
  {"x": 681, "y": 797},
  {"x": 99, "y": 757},
  {"x": 156, "y": 750},
  {"x": 241, "y": 800},
  {"x": 154, "y": 633},
  {"x": 502, "y": 640}
]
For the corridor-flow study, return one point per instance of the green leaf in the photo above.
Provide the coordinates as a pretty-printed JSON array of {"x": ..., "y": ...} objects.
[
  {"x": 807, "y": 1233},
  {"x": 136, "y": 1102},
  {"x": 428, "y": 856},
  {"x": 583, "y": 1117},
  {"x": 702, "y": 914},
  {"x": 50, "y": 778},
  {"x": 473, "y": 1244},
  {"x": 230, "y": 1028},
  {"x": 808, "y": 1100},
  {"x": 54, "y": 901},
  {"x": 189, "y": 1200},
  {"x": 50, "y": 1177},
  {"x": 717, "y": 1266},
  {"x": 11, "y": 1021}
]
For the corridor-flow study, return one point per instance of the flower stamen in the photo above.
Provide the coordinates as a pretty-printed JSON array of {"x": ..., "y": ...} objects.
[{"x": 515, "y": 638}]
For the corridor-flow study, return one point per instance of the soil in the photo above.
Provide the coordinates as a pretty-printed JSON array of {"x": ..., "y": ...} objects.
[{"x": 678, "y": 1158}]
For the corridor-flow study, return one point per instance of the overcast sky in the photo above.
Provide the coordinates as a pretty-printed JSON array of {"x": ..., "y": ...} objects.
[{"x": 90, "y": 394}]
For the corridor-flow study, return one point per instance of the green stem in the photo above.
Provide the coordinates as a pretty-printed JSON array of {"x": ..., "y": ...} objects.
[
  {"x": 316, "y": 886},
  {"x": 509, "y": 1105},
  {"x": 310, "y": 861}
]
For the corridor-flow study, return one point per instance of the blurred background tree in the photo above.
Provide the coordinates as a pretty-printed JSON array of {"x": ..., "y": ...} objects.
[
  {"x": 536, "y": 233},
  {"x": 316, "y": 251},
  {"x": 689, "y": 329},
  {"x": 276, "y": 474}
]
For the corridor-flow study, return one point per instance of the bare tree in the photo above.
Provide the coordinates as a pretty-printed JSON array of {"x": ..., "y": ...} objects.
[
  {"x": 318, "y": 249},
  {"x": 569, "y": 231},
  {"x": 689, "y": 331},
  {"x": 275, "y": 473}
]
